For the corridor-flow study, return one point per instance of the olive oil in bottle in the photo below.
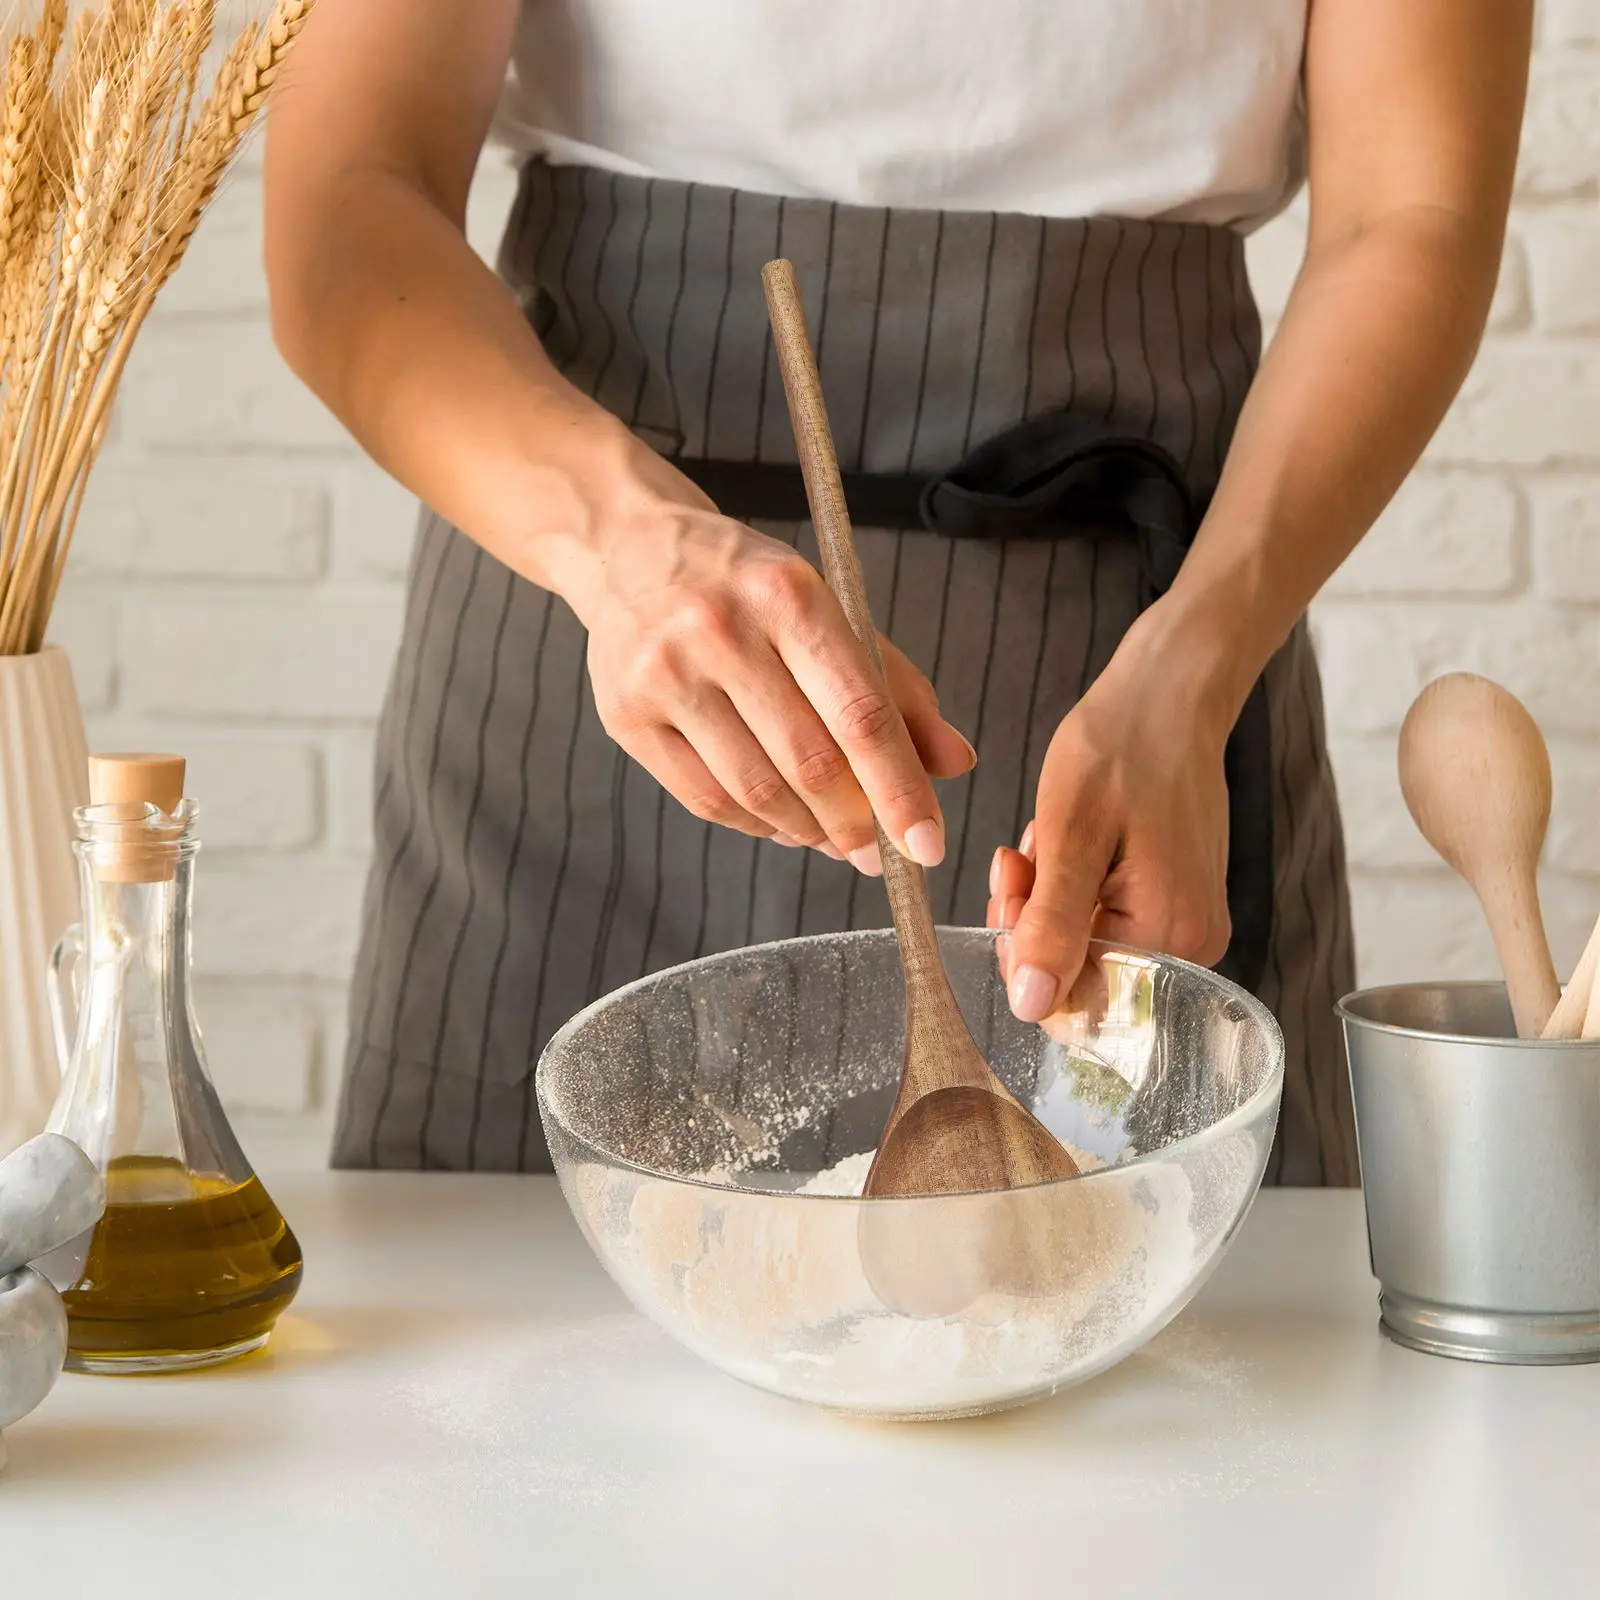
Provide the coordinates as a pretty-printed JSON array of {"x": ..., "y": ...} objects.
[
  {"x": 192, "y": 1263},
  {"x": 181, "y": 1262}
]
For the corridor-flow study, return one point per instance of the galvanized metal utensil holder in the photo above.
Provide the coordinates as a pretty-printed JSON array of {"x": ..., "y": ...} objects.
[{"x": 1480, "y": 1160}]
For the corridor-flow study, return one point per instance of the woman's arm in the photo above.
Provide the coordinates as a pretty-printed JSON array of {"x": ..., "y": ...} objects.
[
  {"x": 719, "y": 658},
  {"x": 1413, "y": 114}
]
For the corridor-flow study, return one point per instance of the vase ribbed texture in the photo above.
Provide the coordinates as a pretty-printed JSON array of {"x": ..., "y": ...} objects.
[{"x": 43, "y": 776}]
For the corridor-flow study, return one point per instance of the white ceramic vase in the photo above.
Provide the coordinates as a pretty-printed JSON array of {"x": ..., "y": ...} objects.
[{"x": 44, "y": 775}]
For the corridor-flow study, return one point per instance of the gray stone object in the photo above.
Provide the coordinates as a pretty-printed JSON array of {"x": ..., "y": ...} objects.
[
  {"x": 50, "y": 1192},
  {"x": 33, "y": 1342}
]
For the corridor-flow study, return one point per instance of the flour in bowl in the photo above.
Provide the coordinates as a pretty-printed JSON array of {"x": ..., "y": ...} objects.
[
  {"x": 845, "y": 1177},
  {"x": 770, "y": 1286}
]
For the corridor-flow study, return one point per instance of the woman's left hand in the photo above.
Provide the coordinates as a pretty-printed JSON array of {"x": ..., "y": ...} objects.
[{"x": 1129, "y": 840}]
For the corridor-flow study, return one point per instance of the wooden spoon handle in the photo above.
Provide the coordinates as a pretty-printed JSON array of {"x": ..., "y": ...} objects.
[
  {"x": 1567, "y": 1021},
  {"x": 1511, "y": 904},
  {"x": 1591, "y": 1021},
  {"x": 813, "y": 440},
  {"x": 907, "y": 888}
]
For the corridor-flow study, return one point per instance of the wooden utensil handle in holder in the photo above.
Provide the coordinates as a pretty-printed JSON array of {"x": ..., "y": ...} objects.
[
  {"x": 1511, "y": 905},
  {"x": 1569, "y": 1020},
  {"x": 819, "y": 465}
]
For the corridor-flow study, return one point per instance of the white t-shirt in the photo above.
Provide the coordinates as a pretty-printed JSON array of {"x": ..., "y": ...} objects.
[{"x": 1187, "y": 110}]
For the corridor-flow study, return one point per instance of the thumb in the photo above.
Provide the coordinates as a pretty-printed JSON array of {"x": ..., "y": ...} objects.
[{"x": 1051, "y": 937}]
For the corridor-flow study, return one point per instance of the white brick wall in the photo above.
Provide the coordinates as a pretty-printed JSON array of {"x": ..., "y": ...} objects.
[{"x": 236, "y": 595}]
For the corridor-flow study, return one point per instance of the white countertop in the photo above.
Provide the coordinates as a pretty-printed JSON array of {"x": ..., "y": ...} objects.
[{"x": 461, "y": 1404}]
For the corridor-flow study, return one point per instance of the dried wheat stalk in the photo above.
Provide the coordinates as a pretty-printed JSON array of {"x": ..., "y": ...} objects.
[{"x": 108, "y": 159}]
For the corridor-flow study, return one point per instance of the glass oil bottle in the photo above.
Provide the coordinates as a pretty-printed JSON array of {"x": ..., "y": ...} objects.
[{"x": 192, "y": 1263}]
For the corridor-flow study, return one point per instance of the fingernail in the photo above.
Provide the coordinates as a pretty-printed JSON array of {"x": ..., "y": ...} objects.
[
  {"x": 1011, "y": 912},
  {"x": 830, "y": 849},
  {"x": 972, "y": 749},
  {"x": 867, "y": 860},
  {"x": 994, "y": 875},
  {"x": 1033, "y": 994},
  {"x": 786, "y": 840},
  {"x": 925, "y": 843},
  {"x": 1026, "y": 846}
]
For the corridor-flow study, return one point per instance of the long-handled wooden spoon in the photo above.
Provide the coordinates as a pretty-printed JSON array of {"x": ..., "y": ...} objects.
[
  {"x": 1476, "y": 775},
  {"x": 954, "y": 1127}
]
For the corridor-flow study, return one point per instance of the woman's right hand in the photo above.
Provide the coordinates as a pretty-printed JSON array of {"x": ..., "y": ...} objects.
[
  {"x": 721, "y": 662},
  {"x": 724, "y": 665}
]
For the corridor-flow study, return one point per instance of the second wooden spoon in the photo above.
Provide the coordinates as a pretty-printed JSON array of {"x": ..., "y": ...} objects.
[{"x": 1475, "y": 773}]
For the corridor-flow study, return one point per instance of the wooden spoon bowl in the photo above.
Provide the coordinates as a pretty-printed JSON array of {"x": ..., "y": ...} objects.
[
  {"x": 1019, "y": 1238},
  {"x": 950, "y": 1130}
]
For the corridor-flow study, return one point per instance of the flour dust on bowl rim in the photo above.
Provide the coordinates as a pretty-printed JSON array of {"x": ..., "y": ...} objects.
[
  {"x": 700, "y": 1117},
  {"x": 1480, "y": 1165}
]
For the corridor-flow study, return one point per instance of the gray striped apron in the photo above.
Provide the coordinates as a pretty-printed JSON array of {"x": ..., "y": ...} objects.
[{"x": 524, "y": 866}]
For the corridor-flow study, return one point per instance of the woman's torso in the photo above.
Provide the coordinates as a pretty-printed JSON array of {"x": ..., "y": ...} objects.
[
  {"x": 1181, "y": 110},
  {"x": 522, "y": 864}
]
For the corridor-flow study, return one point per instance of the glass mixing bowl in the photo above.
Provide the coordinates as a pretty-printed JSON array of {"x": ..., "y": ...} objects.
[{"x": 694, "y": 1115}]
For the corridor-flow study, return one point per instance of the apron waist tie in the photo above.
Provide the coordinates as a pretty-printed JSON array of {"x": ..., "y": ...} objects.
[{"x": 1059, "y": 476}]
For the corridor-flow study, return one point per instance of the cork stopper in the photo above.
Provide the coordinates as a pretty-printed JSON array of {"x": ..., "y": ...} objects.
[
  {"x": 136, "y": 778},
  {"x": 133, "y": 780}
]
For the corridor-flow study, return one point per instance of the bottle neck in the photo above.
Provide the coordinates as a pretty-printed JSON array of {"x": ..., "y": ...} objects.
[
  {"x": 134, "y": 1043},
  {"x": 136, "y": 867},
  {"x": 140, "y": 928}
]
